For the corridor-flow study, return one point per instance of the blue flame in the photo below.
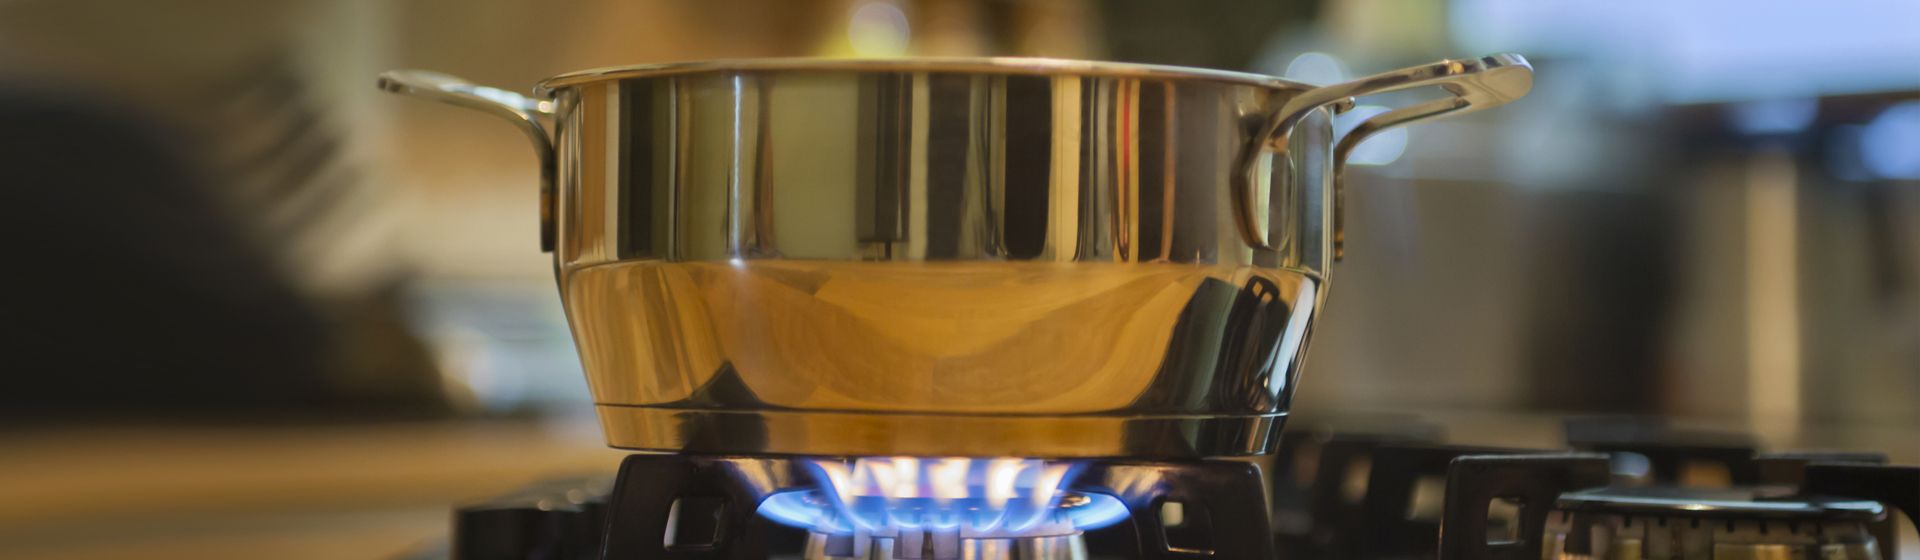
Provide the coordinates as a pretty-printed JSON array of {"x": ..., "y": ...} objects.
[
  {"x": 1101, "y": 510},
  {"x": 791, "y": 508},
  {"x": 1003, "y": 496}
]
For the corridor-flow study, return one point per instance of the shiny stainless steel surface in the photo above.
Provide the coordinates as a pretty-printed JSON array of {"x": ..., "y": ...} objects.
[
  {"x": 1728, "y": 502},
  {"x": 993, "y": 257},
  {"x": 1487, "y": 82},
  {"x": 999, "y": 65}
]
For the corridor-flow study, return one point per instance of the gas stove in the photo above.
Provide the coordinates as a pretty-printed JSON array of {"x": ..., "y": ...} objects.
[
  {"x": 1376, "y": 492},
  {"x": 736, "y": 507}
]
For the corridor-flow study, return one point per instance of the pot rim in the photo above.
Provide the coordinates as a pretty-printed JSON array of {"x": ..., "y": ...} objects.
[{"x": 983, "y": 65}]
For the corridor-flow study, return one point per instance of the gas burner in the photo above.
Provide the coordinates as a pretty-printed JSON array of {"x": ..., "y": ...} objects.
[
  {"x": 1368, "y": 494},
  {"x": 674, "y": 507},
  {"x": 1837, "y": 514},
  {"x": 1665, "y": 522},
  {"x": 907, "y": 507},
  {"x": 1417, "y": 500}
]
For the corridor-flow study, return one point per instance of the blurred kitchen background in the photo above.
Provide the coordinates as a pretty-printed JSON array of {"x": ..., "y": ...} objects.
[{"x": 260, "y": 309}]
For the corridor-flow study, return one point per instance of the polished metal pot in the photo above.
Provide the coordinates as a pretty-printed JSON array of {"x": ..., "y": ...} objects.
[{"x": 983, "y": 257}]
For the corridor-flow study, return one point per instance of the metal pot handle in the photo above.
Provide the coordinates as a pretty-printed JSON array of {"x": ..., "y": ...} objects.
[
  {"x": 521, "y": 111},
  {"x": 1475, "y": 84}
]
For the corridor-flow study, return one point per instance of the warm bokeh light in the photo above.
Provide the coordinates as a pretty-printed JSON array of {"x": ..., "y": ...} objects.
[{"x": 879, "y": 30}]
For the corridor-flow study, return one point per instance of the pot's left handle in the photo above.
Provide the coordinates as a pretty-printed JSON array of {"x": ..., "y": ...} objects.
[
  {"x": 1473, "y": 84},
  {"x": 521, "y": 111}
]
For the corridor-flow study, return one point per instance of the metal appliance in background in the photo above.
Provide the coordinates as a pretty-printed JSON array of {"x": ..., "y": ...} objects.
[{"x": 945, "y": 308}]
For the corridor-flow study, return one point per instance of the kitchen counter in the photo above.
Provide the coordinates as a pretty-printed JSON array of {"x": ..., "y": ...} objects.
[{"x": 283, "y": 492}]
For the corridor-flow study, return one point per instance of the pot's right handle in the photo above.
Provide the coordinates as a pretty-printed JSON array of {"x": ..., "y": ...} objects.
[
  {"x": 1475, "y": 84},
  {"x": 517, "y": 109}
]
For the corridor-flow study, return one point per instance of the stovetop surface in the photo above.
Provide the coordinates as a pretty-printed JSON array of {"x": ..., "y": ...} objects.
[{"x": 371, "y": 491}]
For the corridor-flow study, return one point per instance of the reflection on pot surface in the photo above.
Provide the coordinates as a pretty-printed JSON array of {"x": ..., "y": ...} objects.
[
  {"x": 997, "y": 257},
  {"x": 1109, "y": 343}
]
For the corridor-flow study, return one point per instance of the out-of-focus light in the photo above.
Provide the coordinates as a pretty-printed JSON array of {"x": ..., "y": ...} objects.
[
  {"x": 1317, "y": 69},
  {"x": 839, "y": 478},
  {"x": 1773, "y": 116},
  {"x": 949, "y": 478},
  {"x": 1001, "y": 475},
  {"x": 1890, "y": 145},
  {"x": 1382, "y": 148},
  {"x": 879, "y": 29},
  {"x": 1632, "y": 465},
  {"x": 1700, "y": 51}
]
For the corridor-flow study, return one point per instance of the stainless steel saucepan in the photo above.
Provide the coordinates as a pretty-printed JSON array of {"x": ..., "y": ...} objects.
[{"x": 982, "y": 257}]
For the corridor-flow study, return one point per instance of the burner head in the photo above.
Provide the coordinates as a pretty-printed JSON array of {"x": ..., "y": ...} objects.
[
  {"x": 1710, "y": 523},
  {"x": 685, "y": 507},
  {"x": 902, "y": 507}
]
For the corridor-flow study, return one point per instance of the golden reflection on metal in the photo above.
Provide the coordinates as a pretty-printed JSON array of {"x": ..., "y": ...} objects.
[
  {"x": 980, "y": 257},
  {"x": 1626, "y": 549},
  {"x": 1741, "y": 551}
]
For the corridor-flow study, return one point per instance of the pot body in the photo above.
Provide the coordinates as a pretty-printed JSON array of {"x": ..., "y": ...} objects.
[{"x": 939, "y": 260}]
